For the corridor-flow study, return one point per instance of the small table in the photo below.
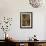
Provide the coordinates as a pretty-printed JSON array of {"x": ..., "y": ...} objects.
[{"x": 26, "y": 42}]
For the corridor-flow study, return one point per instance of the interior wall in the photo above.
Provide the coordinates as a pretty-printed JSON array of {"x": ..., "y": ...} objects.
[{"x": 12, "y": 8}]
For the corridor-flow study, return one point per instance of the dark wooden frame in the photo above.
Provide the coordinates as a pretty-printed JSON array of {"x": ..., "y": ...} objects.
[{"x": 21, "y": 13}]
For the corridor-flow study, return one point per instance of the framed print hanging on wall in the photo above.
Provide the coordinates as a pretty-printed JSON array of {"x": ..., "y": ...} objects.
[{"x": 25, "y": 19}]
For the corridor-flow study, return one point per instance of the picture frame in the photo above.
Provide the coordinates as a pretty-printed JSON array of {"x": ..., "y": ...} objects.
[{"x": 25, "y": 19}]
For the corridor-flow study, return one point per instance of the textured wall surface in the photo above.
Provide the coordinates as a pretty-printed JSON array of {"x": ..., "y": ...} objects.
[{"x": 12, "y": 8}]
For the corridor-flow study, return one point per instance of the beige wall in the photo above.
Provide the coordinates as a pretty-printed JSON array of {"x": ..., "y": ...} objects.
[{"x": 12, "y": 8}]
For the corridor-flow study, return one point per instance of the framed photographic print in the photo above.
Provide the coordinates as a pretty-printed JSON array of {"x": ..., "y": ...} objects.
[{"x": 25, "y": 19}]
